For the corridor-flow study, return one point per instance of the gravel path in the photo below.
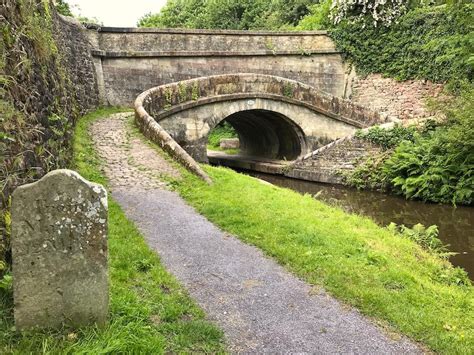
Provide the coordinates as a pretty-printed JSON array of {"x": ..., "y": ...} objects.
[{"x": 260, "y": 306}]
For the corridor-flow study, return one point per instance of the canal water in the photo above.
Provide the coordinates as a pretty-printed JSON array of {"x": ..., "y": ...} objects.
[{"x": 455, "y": 224}]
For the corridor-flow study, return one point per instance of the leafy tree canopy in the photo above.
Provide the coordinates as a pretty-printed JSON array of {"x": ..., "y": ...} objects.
[
  {"x": 63, "y": 8},
  {"x": 229, "y": 14}
]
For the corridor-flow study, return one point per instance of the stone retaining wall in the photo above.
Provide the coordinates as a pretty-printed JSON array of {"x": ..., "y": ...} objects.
[
  {"x": 397, "y": 99},
  {"x": 74, "y": 47},
  {"x": 330, "y": 163}
]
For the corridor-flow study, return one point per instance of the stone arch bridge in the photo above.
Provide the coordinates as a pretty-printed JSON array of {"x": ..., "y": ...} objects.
[
  {"x": 129, "y": 61},
  {"x": 288, "y": 103},
  {"x": 275, "y": 118}
]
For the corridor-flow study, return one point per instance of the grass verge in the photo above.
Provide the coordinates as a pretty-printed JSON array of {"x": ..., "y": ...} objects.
[
  {"x": 385, "y": 276},
  {"x": 149, "y": 312}
]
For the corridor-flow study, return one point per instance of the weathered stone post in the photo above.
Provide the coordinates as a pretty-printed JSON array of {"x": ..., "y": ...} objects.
[{"x": 59, "y": 252}]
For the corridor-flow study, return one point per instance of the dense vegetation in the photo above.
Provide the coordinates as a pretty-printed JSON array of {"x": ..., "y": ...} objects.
[
  {"x": 221, "y": 131},
  {"x": 433, "y": 43},
  {"x": 63, "y": 8},
  {"x": 38, "y": 101},
  {"x": 229, "y": 14},
  {"x": 431, "y": 163},
  {"x": 426, "y": 40},
  {"x": 439, "y": 166}
]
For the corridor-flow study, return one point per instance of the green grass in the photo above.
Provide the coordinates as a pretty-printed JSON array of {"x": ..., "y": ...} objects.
[
  {"x": 387, "y": 277},
  {"x": 149, "y": 312},
  {"x": 222, "y": 131}
]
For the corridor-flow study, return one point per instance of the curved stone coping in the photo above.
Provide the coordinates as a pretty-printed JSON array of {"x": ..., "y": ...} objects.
[
  {"x": 106, "y": 29},
  {"x": 164, "y": 100},
  {"x": 252, "y": 95},
  {"x": 148, "y": 54},
  {"x": 153, "y": 131}
]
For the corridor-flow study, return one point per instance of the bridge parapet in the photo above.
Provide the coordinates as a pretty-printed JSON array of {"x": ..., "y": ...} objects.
[
  {"x": 163, "y": 101},
  {"x": 141, "y": 40}
]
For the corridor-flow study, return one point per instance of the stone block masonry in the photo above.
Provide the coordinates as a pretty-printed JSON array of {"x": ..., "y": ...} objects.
[
  {"x": 229, "y": 143},
  {"x": 130, "y": 60},
  {"x": 331, "y": 164},
  {"x": 59, "y": 252},
  {"x": 74, "y": 47},
  {"x": 395, "y": 99}
]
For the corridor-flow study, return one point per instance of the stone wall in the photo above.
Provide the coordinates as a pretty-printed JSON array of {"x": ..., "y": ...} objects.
[
  {"x": 74, "y": 45},
  {"x": 395, "y": 99},
  {"x": 130, "y": 61},
  {"x": 330, "y": 164}
]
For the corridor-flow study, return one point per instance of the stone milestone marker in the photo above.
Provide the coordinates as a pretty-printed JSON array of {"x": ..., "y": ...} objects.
[{"x": 59, "y": 252}]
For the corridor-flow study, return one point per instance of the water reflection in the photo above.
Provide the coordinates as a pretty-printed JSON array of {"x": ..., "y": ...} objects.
[{"x": 456, "y": 225}]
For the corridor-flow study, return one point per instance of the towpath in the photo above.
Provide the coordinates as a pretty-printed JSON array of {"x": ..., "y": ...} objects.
[{"x": 259, "y": 305}]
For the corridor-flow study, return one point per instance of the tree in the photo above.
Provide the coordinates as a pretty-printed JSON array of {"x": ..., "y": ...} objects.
[
  {"x": 63, "y": 8},
  {"x": 176, "y": 14},
  {"x": 229, "y": 14}
]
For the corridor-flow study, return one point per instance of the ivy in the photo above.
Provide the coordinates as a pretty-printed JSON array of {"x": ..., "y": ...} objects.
[{"x": 433, "y": 43}]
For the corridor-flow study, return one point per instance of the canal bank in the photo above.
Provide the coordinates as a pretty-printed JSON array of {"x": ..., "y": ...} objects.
[{"x": 455, "y": 224}]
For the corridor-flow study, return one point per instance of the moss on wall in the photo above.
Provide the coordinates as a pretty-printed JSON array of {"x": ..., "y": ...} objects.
[{"x": 43, "y": 89}]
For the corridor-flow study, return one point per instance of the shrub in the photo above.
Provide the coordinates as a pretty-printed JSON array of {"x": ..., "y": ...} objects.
[
  {"x": 221, "y": 131},
  {"x": 318, "y": 18},
  {"x": 426, "y": 237},
  {"x": 388, "y": 138},
  {"x": 378, "y": 11},
  {"x": 439, "y": 166},
  {"x": 369, "y": 174}
]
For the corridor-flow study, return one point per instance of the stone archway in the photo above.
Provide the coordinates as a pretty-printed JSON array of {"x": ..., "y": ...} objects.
[
  {"x": 267, "y": 134},
  {"x": 291, "y": 118}
]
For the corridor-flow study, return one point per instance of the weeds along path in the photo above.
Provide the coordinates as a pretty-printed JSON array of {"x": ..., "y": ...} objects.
[{"x": 259, "y": 305}]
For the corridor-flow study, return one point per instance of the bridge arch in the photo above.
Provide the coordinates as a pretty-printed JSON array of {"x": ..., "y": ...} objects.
[
  {"x": 268, "y": 134},
  {"x": 276, "y": 118},
  {"x": 268, "y": 129}
]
